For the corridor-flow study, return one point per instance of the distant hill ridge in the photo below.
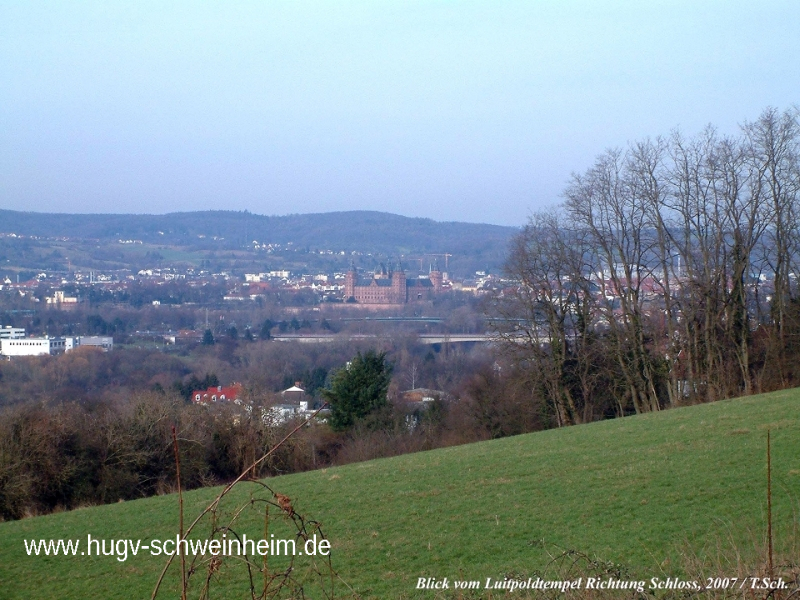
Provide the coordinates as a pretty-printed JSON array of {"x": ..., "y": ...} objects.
[{"x": 370, "y": 231}]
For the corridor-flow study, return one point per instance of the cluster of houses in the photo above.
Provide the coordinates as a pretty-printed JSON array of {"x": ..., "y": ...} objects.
[
  {"x": 363, "y": 287},
  {"x": 14, "y": 342},
  {"x": 294, "y": 402}
]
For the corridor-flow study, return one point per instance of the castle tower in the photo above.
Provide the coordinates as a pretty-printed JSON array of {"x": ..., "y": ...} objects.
[
  {"x": 436, "y": 278},
  {"x": 350, "y": 282},
  {"x": 399, "y": 290}
]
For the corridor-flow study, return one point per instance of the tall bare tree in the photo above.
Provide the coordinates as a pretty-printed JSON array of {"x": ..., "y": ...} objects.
[
  {"x": 603, "y": 202},
  {"x": 548, "y": 317},
  {"x": 773, "y": 147}
]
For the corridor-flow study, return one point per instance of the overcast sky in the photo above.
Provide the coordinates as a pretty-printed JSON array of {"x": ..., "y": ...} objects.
[{"x": 453, "y": 110}]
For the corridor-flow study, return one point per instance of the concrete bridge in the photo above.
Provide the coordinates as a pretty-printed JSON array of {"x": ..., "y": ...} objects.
[{"x": 424, "y": 338}]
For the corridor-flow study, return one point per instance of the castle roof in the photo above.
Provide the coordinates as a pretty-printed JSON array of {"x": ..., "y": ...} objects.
[
  {"x": 421, "y": 282},
  {"x": 366, "y": 282}
]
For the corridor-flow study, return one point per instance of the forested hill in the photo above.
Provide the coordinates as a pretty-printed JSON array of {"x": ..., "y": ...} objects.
[{"x": 368, "y": 231}]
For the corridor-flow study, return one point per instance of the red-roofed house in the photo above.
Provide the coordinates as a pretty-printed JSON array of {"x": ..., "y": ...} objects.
[{"x": 218, "y": 394}]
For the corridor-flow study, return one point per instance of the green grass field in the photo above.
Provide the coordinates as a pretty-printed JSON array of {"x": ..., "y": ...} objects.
[{"x": 641, "y": 491}]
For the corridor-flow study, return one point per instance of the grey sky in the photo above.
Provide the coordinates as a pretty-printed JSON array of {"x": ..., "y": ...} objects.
[{"x": 473, "y": 111}]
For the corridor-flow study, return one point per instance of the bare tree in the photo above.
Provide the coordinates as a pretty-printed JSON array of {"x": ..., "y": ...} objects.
[
  {"x": 773, "y": 156},
  {"x": 604, "y": 203},
  {"x": 547, "y": 318}
]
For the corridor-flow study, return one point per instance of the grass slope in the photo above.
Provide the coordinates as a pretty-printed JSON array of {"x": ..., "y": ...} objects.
[{"x": 636, "y": 491}]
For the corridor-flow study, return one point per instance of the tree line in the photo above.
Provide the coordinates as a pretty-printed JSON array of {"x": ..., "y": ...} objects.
[
  {"x": 90, "y": 427},
  {"x": 668, "y": 275}
]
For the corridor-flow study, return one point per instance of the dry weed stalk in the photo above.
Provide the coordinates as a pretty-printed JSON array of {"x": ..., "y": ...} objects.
[{"x": 286, "y": 582}]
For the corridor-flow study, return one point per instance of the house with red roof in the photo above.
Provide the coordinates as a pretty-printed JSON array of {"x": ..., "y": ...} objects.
[{"x": 218, "y": 393}]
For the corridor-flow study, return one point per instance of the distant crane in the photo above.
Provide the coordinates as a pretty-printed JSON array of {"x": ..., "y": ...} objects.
[
  {"x": 422, "y": 258},
  {"x": 446, "y": 256}
]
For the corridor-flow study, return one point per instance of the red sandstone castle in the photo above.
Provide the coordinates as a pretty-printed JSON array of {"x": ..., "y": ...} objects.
[{"x": 390, "y": 287}]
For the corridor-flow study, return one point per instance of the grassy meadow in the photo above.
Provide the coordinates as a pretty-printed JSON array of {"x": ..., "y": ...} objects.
[{"x": 655, "y": 493}]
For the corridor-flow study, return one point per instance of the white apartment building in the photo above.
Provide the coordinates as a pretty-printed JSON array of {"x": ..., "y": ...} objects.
[
  {"x": 11, "y": 333},
  {"x": 58, "y": 298}
]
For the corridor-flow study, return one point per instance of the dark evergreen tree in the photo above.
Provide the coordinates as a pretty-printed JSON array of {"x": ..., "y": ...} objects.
[{"x": 358, "y": 389}]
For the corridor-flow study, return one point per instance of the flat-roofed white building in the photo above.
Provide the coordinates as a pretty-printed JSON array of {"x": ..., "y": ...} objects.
[
  {"x": 25, "y": 347},
  {"x": 36, "y": 346}
]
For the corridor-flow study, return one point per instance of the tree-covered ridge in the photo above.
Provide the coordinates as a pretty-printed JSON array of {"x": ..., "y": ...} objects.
[{"x": 368, "y": 231}]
